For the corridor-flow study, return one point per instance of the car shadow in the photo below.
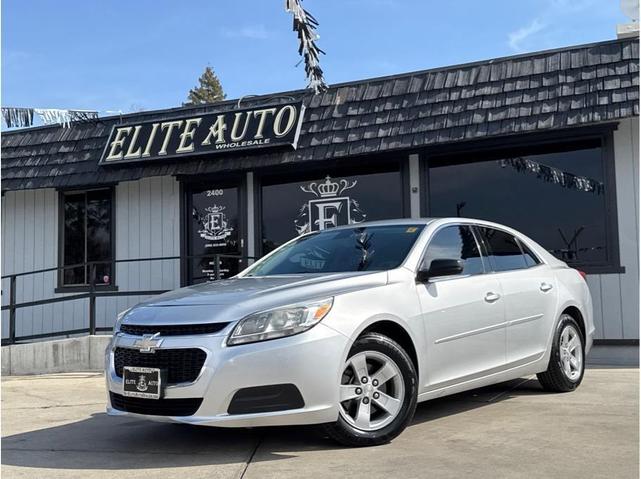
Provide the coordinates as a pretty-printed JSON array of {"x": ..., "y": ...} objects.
[
  {"x": 110, "y": 443},
  {"x": 466, "y": 401}
]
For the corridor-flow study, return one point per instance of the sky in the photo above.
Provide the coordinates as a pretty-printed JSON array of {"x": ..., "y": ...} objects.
[{"x": 133, "y": 55}]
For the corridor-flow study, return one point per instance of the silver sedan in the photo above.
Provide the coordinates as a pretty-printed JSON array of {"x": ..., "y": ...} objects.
[{"x": 350, "y": 327}]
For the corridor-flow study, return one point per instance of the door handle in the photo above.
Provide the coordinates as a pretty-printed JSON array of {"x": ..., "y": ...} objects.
[
  {"x": 545, "y": 287},
  {"x": 491, "y": 297}
]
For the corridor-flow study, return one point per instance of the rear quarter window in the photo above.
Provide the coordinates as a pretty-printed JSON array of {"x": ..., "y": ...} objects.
[{"x": 530, "y": 258}]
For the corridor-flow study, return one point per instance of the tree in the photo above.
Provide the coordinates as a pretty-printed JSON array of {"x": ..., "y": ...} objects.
[{"x": 209, "y": 91}]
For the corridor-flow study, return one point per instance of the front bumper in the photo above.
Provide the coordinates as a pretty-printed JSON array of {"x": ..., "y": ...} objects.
[{"x": 312, "y": 361}]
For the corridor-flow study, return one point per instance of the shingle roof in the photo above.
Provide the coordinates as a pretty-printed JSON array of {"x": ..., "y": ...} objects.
[{"x": 554, "y": 89}]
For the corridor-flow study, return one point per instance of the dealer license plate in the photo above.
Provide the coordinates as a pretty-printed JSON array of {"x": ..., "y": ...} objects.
[{"x": 142, "y": 382}]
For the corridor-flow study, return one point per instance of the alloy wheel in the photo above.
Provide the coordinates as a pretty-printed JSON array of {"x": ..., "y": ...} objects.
[
  {"x": 371, "y": 391},
  {"x": 571, "y": 352}
]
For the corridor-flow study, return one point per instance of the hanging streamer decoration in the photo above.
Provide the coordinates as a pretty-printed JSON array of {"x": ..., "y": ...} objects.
[
  {"x": 554, "y": 175},
  {"x": 53, "y": 115},
  {"x": 305, "y": 26},
  {"x": 23, "y": 117},
  {"x": 17, "y": 117},
  {"x": 83, "y": 115}
]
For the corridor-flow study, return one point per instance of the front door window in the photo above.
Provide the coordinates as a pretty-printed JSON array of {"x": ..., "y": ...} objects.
[{"x": 213, "y": 229}]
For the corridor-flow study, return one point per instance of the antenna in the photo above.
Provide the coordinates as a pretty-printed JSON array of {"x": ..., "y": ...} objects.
[{"x": 630, "y": 9}]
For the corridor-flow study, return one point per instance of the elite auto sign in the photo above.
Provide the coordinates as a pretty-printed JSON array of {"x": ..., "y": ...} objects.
[{"x": 208, "y": 133}]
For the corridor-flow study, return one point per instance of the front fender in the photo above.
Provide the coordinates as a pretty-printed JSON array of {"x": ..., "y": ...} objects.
[{"x": 354, "y": 312}]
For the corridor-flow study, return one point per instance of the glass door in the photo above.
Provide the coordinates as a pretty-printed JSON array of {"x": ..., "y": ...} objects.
[{"x": 214, "y": 225}]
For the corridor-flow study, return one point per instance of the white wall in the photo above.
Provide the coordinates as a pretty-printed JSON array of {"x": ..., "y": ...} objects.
[
  {"x": 616, "y": 296},
  {"x": 30, "y": 242},
  {"x": 147, "y": 224}
]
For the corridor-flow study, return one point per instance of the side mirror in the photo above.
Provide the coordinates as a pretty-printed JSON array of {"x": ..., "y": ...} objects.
[{"x": 439, "y": 267}]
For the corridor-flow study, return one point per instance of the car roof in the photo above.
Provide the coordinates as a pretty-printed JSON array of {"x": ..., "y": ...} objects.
[
  {"x": 400, "y": 221},
  {"x": 425, "y": 221},
  {"x": 417, "y": 221}
]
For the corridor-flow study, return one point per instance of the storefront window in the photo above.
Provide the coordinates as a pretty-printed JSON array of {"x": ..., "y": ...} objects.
[
  {"x": 213, "y": 229},
  {"x": 293, "y": 208},
  {"x": 555, "y": 196},
  {"x": 87, "y": 237}
]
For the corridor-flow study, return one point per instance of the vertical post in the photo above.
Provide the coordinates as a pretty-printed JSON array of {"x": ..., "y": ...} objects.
[
  {"x": 251, "y": 249},
  {"x": 415, "y": 186},
  {"x": 12, "y": 309},
  {"x": 92, "y": 298},
  {"x": 216, "y": 267}
]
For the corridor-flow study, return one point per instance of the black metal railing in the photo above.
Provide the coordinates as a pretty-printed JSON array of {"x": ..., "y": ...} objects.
[{"x": 93, "y": 292}]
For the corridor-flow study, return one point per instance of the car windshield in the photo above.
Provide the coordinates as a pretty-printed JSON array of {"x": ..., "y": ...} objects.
[{"x": 366, "y": 248}]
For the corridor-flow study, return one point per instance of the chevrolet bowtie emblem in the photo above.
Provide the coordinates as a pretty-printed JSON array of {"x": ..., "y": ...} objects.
[{"x": 148, "y": 343}]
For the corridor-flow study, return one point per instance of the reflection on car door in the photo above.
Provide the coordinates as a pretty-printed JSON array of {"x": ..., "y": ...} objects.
[
  {"x": 463, "y": 315},
  {"x": 529, "y": 292}
]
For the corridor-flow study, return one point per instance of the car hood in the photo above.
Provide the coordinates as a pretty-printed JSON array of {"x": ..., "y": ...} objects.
[{"x": 230, "y": 299}]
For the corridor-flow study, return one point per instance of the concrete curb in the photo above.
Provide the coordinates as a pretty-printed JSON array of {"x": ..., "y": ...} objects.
[{"x": 85, "y": 353}]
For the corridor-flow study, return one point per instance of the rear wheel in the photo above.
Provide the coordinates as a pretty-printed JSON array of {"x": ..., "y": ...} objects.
[
  {"x": 567, "y": 360},
  {"x": 378, "y": 393}
]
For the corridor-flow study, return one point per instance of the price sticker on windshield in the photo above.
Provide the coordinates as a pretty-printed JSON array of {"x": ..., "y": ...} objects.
[{"x": 411, "y": 229}]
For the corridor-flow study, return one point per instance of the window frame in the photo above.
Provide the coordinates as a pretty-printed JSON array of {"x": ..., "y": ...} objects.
[
  {"x": 71, "y": 288},
  {"x": 489, "y": 149}
]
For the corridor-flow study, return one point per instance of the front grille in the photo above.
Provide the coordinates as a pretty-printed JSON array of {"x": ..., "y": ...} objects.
[
  {"x": 156, "y": 407},
  {"x": 173, "y": 329},
  {"x": 182, "y": 365}
]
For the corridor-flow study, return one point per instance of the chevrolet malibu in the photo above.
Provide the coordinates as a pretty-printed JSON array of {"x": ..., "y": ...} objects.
[{"x": 350, "y": 327}]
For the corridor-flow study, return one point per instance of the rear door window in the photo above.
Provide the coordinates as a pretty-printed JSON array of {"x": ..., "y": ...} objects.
[
  {"x": 503, "y": 250},
  {"x": 455, "y": 242}
]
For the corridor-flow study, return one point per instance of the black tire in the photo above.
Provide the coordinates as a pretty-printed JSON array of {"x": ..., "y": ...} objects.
[
  {"x": 555, "y": 379},
  {"x": 347, "y": 434}
]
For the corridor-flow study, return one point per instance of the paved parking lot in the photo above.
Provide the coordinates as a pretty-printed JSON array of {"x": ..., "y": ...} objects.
[{"x": 55, "y": 426}]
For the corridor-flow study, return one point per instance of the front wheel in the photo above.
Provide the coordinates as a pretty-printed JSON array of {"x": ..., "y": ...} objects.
[
  {"x": 378, "y": 393},
  {"x": 567, "y": 359}
]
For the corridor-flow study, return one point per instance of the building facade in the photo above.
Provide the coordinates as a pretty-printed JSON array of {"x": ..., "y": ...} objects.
[{"x": 547, "y": 143}]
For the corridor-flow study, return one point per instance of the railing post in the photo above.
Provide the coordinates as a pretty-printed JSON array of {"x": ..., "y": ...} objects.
[
  {"x": 216, "y": 267},
  {"x": 92, "y": 299},
  {"x": 12, "y": 309}
]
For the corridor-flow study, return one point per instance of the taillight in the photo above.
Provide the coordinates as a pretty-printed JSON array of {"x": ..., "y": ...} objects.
[{"x": 582, "y": 273}]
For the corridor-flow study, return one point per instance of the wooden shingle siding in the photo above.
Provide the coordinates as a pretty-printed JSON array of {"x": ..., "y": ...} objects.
[
  {"x": 30, "y": 242},
  {"x": 541, "y": 91}
]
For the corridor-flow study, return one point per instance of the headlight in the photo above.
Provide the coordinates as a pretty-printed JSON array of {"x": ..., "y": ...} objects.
[
  {"x": 280, "y": 322},
  {"x": 119, "y": 319}
]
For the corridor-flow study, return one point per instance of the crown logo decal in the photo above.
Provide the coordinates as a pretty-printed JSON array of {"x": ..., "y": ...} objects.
[
  {"x": 214, "y": 225},
  {"x": 328, "y": 188},
  {"x": 215, "y": 209}
]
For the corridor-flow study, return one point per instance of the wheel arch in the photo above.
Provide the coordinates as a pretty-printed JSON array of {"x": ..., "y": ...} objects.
[
  {"x": 576, "y": 314},
  {"x": 398, "y": 333}
]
